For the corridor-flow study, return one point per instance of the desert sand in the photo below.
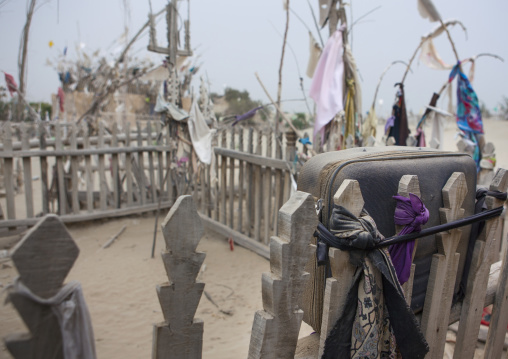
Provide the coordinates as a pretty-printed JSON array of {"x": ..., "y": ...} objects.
[{"x": 119, "y": 282}]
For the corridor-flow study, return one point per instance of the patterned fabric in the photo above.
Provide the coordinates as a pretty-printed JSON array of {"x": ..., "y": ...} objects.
[
  {"x": 375, "y": 311},
  {"x": 372, "y": 335},
  {"x": 469, "y": 116},
  {"x": 350, "y": 109}
]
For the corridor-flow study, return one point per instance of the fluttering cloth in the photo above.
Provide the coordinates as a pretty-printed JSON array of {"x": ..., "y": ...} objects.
[
  {"x": 400, "y": 129},
  {"x": 70, "y": 308},
  {"x": 200, "y": 134},
  {"x": 412, "y": 214},
  {"x": 469, "y": 116},
  {"x": 376, "y": 320},
  {"x": 328, "y": 82}
]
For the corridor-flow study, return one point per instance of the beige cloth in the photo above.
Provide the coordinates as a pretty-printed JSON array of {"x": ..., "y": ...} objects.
[
  {"x": 370, "y": 124},
  {"x": 314, "y": 55},
  {"x": 430, "y": 57}
]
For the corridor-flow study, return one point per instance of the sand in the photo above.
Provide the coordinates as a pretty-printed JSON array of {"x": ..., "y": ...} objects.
[{"x": 119, "y": 282}]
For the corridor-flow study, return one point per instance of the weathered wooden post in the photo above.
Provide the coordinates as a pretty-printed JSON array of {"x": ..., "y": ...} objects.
[
  {"x": 180, "y": 335},
  {"x": 443, "y": 272},
  {"x": 276, "y": 327},
  {"x": 43, "y": 259},
  {"x": 350, "y": 197},
  {"x": 473, "y": 302}
]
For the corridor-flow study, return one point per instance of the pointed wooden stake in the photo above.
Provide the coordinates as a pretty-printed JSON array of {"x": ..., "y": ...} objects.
[{"x": 180, "y": 335}]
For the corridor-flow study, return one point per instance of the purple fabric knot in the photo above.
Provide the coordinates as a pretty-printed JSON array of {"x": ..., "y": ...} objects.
[{"x": 412, "y": 214}]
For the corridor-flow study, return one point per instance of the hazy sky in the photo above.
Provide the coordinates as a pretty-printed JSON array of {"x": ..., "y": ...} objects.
[{"x": 236, "y": 38}]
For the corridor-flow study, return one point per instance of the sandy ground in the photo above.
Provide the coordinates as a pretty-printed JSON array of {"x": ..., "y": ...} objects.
[{"x": 119, "y": 282}]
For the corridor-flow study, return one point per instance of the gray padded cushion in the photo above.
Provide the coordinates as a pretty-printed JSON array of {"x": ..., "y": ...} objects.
[{"x": 379, "y": 180}]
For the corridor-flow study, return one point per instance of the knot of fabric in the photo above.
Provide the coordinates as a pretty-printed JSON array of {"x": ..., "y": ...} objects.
[
  {"x": 412, "y": 214},
  {"x": 376, "y": 318},
  {"x": 354, "y": 232},
  {"x": 351, "y": 86}
]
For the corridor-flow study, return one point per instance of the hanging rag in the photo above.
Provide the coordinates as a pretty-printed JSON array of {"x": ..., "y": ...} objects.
[
  {"x": 328, "y": 82},
  {"x": 351, "y": 72},
  {"x": 314, "y": 54},
  {"x": 70, "y": 308},
  {"x": 61, "y": 99},
  {"x": 430, "y": 58},
  {"x": 400, "y": 130},
  {"x": 200, "y": 134},
  {"x": 412, "y": 214},
  {"x": 350, "y": 125},
  {"x": 469, "y": 116},
  {"x": 246, "y": 115},
  {"x": 376, "y": 320},
  {"x": 12, "y": 86},
  {"x": 161, "y": 105},
  {"x": 370, "y": 124}
]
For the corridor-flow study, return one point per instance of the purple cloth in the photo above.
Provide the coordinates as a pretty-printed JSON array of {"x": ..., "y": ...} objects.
[
  {"x": 246, "y": 115},
  {"x": 412, "y": 214},
  {"x": 389, "y": 123}
]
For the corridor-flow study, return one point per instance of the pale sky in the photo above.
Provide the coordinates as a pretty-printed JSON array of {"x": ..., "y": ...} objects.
[{"x": 236, "y": 38}]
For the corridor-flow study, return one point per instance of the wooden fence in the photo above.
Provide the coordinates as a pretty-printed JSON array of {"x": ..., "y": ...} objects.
[
  {"x": 276, "y": 327},
  {"x": 116, "y": 173},
  {"x": 80, "y": 177}
]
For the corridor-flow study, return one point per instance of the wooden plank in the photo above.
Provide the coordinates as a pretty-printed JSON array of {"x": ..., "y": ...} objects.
[
  {"x": 275, "y": 329},
  {"x": 9, "y": 174},
  {"x": 141, "y": 163},
  {"x": 169, "y": 157},
  {"x": 92, "y": 151},
  {"x": 267, "y": 186},
  {"x": 473, "y": 303},
  {"x": 44, "y": 171},
  {"x": 277, "y": 200},
  {"x": 204, "y": 200},
  {"x": 27, "y": 173},
  {"x": 102, "y": 171},
  {"x": 496, "y": 336},
  {"x": 349, "y": 196},
  {"x": 241, "y": 184},
  {"x": 88, "y": 172},
  {"x": 74, "y": 170},
  {"x": 223, "y": 182},
  {"x": 160, "y": 168},
  {"x": 180, "y": 335},
  {"x": 250, "y": 184},
  {"x": 61, "y": 188},
  {"x": 151, "y": 173},
  {"x": 438, "y": 300},
  {"x": 128, "y": 166},
  {"x": 115, "y": 170},
  {"x": 83, "y": 217},
  {"x": 257, "y": 203},
  {"x": 287, "y": 186},
  {"x": 232, "y": 181}
]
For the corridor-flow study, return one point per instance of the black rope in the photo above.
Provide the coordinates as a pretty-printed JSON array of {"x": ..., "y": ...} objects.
[{"x": 324, "y": 234}]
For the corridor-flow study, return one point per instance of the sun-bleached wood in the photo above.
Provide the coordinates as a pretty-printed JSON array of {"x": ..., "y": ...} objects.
[
  {"x": 473, "y": 303},
  {"x": 349, "y": 196},
  {"x": 443, "y": 272},
  {"x": 27, "y": 173},
  {"x": 180, "y": 335},
  {"x": 276, "y": 327},
  {"x": 43, "y": 258}
]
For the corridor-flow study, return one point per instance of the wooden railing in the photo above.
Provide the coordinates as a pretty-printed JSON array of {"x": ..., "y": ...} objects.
[
  {"x": 79, "y": 177},
  {"x": 83, "y": 178}
]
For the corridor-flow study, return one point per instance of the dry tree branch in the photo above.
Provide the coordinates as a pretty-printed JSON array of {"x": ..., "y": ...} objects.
[
  {"x": 433, "y": 34},
  {"x": 279, "y": 90}
]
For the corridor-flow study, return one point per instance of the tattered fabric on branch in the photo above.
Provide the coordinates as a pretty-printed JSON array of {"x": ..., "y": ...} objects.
[{"x": 328, "y": 81}]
